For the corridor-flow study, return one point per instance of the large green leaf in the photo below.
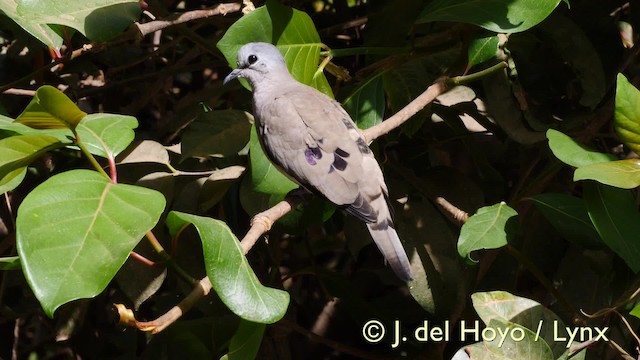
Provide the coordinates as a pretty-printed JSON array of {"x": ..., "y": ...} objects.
[
  {"x": 98, "y": 20},
  {"x": 230, "y": 273},
  {"x": 366, "y": 102},
  {"x": 50, "y": 35},
  {"x": 292, "y": 31},
  {"x": 490, "y": 227},
  {"x": 265, "y": 176},
  {"x": 622, "y": 173},
  {"x": 495, "y": 15},
  {"x": 568, "y": 214},
  {"x": 222, "y": 133},
  {"x": 615, "y": 215},
  {"x": 106, "y": 135},
  {"x": 627, "y": 114},
  {"x": 571, "y": 153},
  {"x": 50, "y": 108},
  {"x": 75, "y": 231}
]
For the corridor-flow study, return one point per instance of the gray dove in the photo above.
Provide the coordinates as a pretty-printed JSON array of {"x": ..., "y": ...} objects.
[{"x": 313, "y": 140}]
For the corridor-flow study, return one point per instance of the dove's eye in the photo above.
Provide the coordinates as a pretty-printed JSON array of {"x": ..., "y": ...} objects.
[{"x": 252, "y": 59}]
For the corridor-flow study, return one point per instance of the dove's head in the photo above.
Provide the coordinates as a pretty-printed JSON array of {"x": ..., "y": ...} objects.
[{"x": 257, "y": 61}]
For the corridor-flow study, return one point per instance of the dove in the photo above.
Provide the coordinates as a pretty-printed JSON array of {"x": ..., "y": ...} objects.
[{"x": 312, "y": 139}]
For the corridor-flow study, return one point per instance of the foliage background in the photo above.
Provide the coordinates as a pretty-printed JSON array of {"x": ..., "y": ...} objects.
[{"x": 562, "y": 75}]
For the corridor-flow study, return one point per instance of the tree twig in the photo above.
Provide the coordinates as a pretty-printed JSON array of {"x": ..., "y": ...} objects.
[{"x": 176, "y": 19}]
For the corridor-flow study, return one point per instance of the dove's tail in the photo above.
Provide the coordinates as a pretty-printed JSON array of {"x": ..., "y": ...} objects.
[{"x": 387, "y": 240}]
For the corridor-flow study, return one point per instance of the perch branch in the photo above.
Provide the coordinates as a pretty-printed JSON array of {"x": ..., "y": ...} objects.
[
  {"x": 419, "y": 103},
  {"x": 176, "y": 19}
]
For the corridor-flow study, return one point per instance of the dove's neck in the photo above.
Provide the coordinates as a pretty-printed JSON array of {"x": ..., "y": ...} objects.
[{"x": 272, "y": 84}]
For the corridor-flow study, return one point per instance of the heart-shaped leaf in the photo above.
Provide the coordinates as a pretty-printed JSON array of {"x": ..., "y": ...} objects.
[
  {"x": 75, "y": 231},
  {"x": 229, "y": 271},
  {"x": 106, "y": 135},
  {"x": 490, "y": 227}
]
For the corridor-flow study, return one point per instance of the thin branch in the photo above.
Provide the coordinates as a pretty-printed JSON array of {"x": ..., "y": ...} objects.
[
  {"x": 438, "y": 88},
  {"x": 201, "y": 290},
  {"x": 176, "y": 19},
  {"x": 262, "y": 222}
]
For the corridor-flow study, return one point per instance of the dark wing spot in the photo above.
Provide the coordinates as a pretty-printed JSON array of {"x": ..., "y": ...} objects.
[
  {"x": 348, "y": 123},
  {"x": 308, "y": 154},
  {"x": 317, "y": 153},
  {"x": 362, "y": 146},
  {"x": 342, "y": 153},
  {"x": 339, "y": 163},
  {"x": 331, "y": 168}
]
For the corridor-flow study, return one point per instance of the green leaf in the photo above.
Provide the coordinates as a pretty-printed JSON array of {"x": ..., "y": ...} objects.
[
  {"x": 624, "y": 174},
  {"x": 627, "y": 115},
  {"x": 507, "y": 308},
  {"x": 482, "y": 49},
  {"x": 495, "y": 15},
  {"x": 229, "y": 271},
  {"x": 265, "y": 176},
  {"x": 568, "y": 214},
  {"x": 291, "y": 30},
  {"x": 222, "y": 133},
  {"x": 18, "y": 151},
  {"x": 10, "y": 263},
  {"x": 106, "y": 135},
  {"x": 98, "y": 20},
  {"x": 571, "y": 153},
  {"x": 50, "y": 108},
  {"x": 50, "y": 35},
  {"x": 245, "y": 343},
  {"x": 615, "y": 215},
  {"x": 75, "y": 230},
  {"x": 366, "y": 103},
  {"x": 489, "y": 228}
]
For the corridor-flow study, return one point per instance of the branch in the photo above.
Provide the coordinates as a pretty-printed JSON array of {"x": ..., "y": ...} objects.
[
  {"x": 176, "y": 19},
  {"x": 432, "y": 92}
]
